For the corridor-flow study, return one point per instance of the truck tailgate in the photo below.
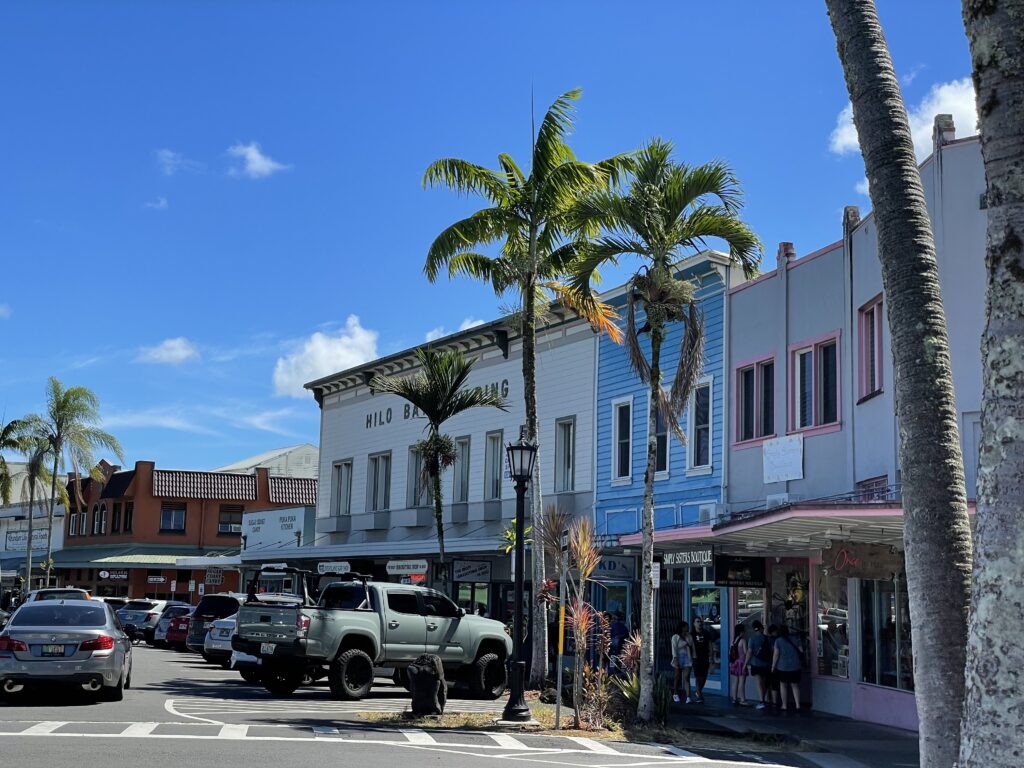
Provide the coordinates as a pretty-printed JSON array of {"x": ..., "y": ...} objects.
[{"x": 260, "y": 622}]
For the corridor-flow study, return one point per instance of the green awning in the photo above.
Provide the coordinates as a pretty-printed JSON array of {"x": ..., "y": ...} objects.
[{"x": 128, "y": 556}]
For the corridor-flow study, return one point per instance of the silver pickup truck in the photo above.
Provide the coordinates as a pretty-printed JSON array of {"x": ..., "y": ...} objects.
[{"x": 357, "y": 625}]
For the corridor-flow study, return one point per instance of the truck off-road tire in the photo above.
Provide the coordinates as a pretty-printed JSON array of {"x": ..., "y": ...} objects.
[
  {"x": 351, "y": 675},
  {"x": 282, "y": 682},
  {"x": 487, "y": 677}
]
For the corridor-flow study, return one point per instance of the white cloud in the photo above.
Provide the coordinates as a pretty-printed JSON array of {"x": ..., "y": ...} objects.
[
  {"x": 160, "y": 204},
  {"x": 159, "y": 418},
  {"x": 955, "y": 97},
  {"x": 911, "y": 76},
  {"x": 440, "y": 331},
  {"x": 255, "y": 164},
  {"x": 5, "y": 311},
  {"x": 862, "y": 187},
  {"x": 171, "y": 162},
  {"x": 169, "y": 352},
  {"x": 322, "y": 354},
  {"x": 267, "y": 421}
]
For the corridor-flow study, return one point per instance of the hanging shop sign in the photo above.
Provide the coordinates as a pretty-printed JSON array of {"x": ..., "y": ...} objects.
[
  {"x": 113, "y": 575},
  {"x": 695, "y": 557},
  {"x": 616, "y": 567},
  {"x": 214, "y": 576},
  {"x": 342, "y": 566},
  {"x": 734, "y": 571},
  {"x": 407, "y": 567},
  {"x": 471, "y": 570},
  {"x": 862, "y": 561}
]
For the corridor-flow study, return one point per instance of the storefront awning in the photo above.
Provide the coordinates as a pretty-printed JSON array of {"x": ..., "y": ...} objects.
[
  {"x": 214, "y": 561},
  {"x": 490, "y": 544},
  {"x": 126, "y": 556}
]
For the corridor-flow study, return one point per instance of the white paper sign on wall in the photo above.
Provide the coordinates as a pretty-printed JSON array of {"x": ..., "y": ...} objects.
[
  {"x": 471, "y": 570},
  {"x": 656, "y": 575},
  {"x": 783, "y": 458}
]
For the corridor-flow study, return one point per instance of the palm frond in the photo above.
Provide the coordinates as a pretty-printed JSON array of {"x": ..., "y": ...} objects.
[
  {"x": 514, "y": 177},
  {"x": 566, "y": 183},
  {"x": 691, "y": 359},
  {"x": 549, "y": 149},
  {"x": 688, "y": 186},
  {"x": 637, "y": 359},
  {"x": 482, "y": 228},
  {"x": 599, "y": 314},
  {"x": 713, "y": 221},
  {"x": 467, "y": 178}
]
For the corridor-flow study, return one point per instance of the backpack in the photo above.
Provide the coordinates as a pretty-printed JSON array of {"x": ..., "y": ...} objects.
[
  {"x": 764, "y": 651},
  {"x": 734, "y": 650}
]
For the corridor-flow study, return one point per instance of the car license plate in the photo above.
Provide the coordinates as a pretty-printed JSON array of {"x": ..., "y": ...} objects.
[
  {"x": 53, "y": 650},
  {"x": 267, "y": 649}
]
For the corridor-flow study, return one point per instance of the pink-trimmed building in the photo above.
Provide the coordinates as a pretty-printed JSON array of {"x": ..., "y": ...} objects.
[{"x": 812, "y": 529}]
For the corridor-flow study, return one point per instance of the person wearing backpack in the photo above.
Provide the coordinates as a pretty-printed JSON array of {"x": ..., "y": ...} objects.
[
  {"x": 738, "y": 666},
  {"x": 786, "y": 664},
  {"x": 759, "y": 660}
]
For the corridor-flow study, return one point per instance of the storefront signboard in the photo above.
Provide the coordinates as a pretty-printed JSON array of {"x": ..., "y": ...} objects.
[
  {"x": 616, "y": 567},
  {"x": 471, "y": 570},
  {"x": 120, "y": 575},
  {"x": 16, "y": 540},
  {"x": 407, "y": 567},
  {"x": 783, "y": 458},
  {"x": 214, "y": 576},
  {"x": 862, "y": 561},
  {"x": 695, "y": 557},
  {"x": 278, "y": 528},
  {"x": 733, "y": 571},
  {"x": 341, "y": 566}
]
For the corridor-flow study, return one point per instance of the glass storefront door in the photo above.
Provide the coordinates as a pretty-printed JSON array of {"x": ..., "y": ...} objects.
[{"x": 704, "y": 601}]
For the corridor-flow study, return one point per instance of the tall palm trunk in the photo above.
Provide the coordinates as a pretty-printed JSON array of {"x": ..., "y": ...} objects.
[
  {"x": 435, "y": 487},
  {"x": 49, "y": 515},
  {"x": 28, "y": 546},
  {"x": 993, "y": 718},
  {"x": 539, "y": 625},
  {"x": 645, "y": 708},
  {"x": 937, "y": 536}
]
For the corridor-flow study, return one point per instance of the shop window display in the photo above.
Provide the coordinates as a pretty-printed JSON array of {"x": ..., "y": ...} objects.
[
  {"x": 833, "y": 624},
  {"x": 885, "y": 621}
]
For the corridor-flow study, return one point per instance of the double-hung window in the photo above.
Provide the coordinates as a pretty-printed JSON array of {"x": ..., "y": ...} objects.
[
  {"x": 379, "y": 482},
  {"x": 699, "y": 424},
  {"x": 342, "y": 504},
  {"x": 419, "y": 485},
  {"x": 755, "y": 388},
  {"x": 622, "y": 439},
  {"x": 565, "y": 455},
  {"x": 229, "y": 519},
  {"x": 129, "y": 516},
  {"x": 460, "y": 491},
  {"x": 172, "y": 517},
  {"x": 869, "y": 348},
  {"x": 83, "y": 523},
  {"x": 815, "y": 371},
  {"x": 95, "y": 520},
  {"x": 115, "y": 518},
  {"x": 493, "y": 466}
]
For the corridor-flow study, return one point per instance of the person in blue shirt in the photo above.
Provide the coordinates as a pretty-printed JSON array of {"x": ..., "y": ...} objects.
[
  {"x": 759, "y": 659},
  {"x": 786, "y": 663}
]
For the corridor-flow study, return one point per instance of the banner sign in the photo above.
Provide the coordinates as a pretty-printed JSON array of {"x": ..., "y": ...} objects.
[
  {"x": 16, "y": 540},
  {"x": 406, "y": 567},
  {"x": 733, "y": 571},
  {"x": 696, "y": 557},
  {"x": 469, "y": 570}
]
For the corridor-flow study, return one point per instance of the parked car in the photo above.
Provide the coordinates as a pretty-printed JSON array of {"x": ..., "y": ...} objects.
[
  {"x": 170, "y": 612},
  {"x": 217, "y": 646},
  {"x": 177, "y": 632},
  {"x": 72, "y": 642},
  {"x": 117, "y": 603},
  {"x": 209, "y": 609},
  {"x": 247, "y": 666},
  {"x": 58, "y": 593},
  {"x": 357, "y": 625},
  {"x": 144, "y": 614}
]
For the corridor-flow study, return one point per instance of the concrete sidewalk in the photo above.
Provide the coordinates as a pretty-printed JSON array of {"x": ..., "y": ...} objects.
[{"x": 839, "y": 742}]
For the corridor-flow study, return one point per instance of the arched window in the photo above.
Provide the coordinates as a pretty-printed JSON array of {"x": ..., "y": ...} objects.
[{"x": 103, "y": 519}]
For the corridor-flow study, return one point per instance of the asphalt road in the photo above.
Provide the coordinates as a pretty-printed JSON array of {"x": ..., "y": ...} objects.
[{"x": 188, "y": 711}]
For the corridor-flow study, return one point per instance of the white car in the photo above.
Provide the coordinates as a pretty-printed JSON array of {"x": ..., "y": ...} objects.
[{"x": 217, "y": 646}]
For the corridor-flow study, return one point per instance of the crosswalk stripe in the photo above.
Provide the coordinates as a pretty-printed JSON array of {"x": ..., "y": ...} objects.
[
  {"x": 39, "y": 729},
  {"x": 418, "y": 736},
  {"x": 139, "y": 729},
  {"x": 679, "y": 752},
  {"x": 593, "y": 745},
  {"x": 233, "y": 731},
  {"x": 506, "y": 741}
]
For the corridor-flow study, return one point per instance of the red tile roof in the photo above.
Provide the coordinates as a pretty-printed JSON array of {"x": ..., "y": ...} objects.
[
  {"x": 300, "y": 491},
  {"x": 179, "y": 484}
]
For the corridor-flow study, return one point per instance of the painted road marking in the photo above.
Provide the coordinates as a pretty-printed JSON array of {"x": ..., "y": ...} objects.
[
  {"x": 42, "y": 729},
  {"x": 233, "y": 731},
  {"x": 418, "y": 736},
  {"x": 506, "y": 741},
  {"x": 138, "y": 729},
  {"x": 593, "y": 745}
]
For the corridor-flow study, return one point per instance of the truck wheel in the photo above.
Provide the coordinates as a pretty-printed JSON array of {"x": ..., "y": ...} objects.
[
  {"x": 251, "y": 676},
  {"x": 282, "y": 682},
  {"x": 351, "y": 675},
  {"x": 487, "y": 677}
]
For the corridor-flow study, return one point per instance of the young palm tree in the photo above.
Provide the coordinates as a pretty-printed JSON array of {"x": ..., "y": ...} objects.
[
  {"x": 993, "y": 720},
  {"x": 37, "y": 450},
  {"x": 936, "y": 533},
  {"x": 70, "y": 427},
  {"x": 438, "y": 391},
  {"x": 669, "y": 210},
  {"x": 11, "y": 434},
  {"x": 528, "y": 217}
]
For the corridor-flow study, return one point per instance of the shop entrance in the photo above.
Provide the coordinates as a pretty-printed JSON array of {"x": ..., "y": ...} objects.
[{"x": 704, "y": 601}]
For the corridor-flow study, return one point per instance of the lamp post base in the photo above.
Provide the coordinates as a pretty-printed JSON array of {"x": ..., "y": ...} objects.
[{"x": 516, "y": 710}]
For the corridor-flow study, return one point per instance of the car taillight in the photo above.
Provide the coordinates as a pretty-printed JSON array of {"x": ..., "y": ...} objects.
[
  {"x": 301, "y": 624},
  {"x": 10, "y": 644},
  {"x": 101, "y": 643}
]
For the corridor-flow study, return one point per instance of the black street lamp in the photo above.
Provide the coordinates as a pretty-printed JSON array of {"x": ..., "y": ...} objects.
[{"x": 521, "y": 456}]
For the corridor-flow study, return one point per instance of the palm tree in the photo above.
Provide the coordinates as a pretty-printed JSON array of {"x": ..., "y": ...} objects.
[
  {"x": 668, "y": 210},
  {"x": 10, "y": 440},
  {"x": 69, "y": 426},
  {"x": 37, "y": 451},
  {"x": 936, "y": 532},
  {"x": 992, "y": 723},
  {"x": 528, "y": 216},
  {"x": 438, "y": 391}
]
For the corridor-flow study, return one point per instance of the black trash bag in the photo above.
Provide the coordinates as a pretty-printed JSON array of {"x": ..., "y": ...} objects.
[{"x": 427, "y": 685}]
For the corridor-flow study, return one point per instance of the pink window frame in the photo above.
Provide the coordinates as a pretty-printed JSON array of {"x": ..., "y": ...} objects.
[
  {"x": 755, "y": 363},
  {"x": 862, "y": 348},
  {"x": 814, "y": 344}
]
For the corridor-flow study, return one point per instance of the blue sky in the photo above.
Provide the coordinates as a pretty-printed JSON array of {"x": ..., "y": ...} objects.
[{"x": 205, "y": 204}]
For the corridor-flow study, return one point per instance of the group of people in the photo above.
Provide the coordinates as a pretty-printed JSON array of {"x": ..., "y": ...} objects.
[
  {"x": 773, "y": 658},
  {"x": 691, "y": 651}
]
